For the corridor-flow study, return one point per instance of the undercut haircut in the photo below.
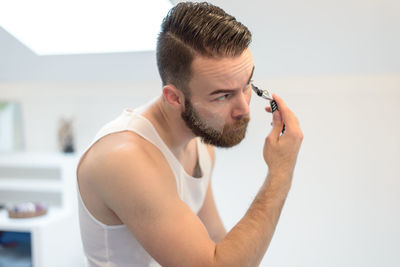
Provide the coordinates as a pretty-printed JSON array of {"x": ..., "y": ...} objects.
[{"x": 196, "y": 29}]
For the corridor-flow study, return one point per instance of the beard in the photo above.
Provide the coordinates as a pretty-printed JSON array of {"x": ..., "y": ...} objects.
[{"x": 231, "y": 135}]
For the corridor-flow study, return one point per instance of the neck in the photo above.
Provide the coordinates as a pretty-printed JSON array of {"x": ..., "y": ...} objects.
[{"x": 170, "y": 126}]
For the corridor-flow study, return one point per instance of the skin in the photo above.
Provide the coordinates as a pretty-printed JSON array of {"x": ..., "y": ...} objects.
[
  {"x": 142, "y": 193},
  {"x": 213, "y": 74},
  {"x": 214, "y": 130},
  {"x": 221, "y": 134},
  {"x": 208, "y": 112},
  {"x": 214, "y": 119}
]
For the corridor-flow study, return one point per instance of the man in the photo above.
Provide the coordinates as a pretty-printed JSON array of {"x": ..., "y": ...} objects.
[{"x": 145, "y": 195}]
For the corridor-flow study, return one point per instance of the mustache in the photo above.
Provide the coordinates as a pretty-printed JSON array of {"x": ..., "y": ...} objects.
[{"x": 241, "y": 122}]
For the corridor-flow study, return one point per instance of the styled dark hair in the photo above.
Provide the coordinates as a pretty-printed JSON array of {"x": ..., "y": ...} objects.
[{"x": 191, "y": 29}]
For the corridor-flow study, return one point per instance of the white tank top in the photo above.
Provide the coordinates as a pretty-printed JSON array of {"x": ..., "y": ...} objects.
[{"x": 115, "y": 245}]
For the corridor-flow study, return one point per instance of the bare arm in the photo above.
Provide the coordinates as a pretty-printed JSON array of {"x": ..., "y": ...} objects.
[
  {"x": 138, "y": 185},
  {"x": 247, "y": 242}
]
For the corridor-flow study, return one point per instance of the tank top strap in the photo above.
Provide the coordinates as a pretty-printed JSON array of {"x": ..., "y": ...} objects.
[
  {"x": 204, "y": 157},
  {"x": 143, "y": 127},
  {"x": 132, "y": 120}
]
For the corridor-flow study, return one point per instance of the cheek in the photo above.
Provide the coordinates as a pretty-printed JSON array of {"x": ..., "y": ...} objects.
[{"x": 214, "y": 115}]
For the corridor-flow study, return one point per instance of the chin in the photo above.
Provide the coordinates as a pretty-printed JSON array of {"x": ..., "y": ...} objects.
[{"x": 223, "y": 142}]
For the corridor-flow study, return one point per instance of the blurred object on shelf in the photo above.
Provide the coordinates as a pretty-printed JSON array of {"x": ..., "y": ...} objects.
[
  {"x": 11, "y": 126},
  {"x": 66, "y": 135},
  {"x": 26, "y": 210}
]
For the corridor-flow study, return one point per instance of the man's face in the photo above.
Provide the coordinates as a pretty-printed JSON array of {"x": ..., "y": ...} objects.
[{"x": 218, "y": 109}]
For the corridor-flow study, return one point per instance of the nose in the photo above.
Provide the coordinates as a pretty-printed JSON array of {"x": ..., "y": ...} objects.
[{"x": 241, "y": 107}]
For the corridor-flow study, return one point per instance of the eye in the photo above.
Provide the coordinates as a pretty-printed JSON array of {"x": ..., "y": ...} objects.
[{"x": 222, "y": 98}]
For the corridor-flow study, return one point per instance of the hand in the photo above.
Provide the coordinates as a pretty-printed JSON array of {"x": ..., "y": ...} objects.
[{"x": 280, "y": 151}]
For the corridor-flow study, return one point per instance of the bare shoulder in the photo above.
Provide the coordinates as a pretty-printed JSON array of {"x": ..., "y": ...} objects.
[
  {"x": 116, "y": 144},
  {"x": 119, "y": 153},
  {"x": 119, "y": 163},
  {"x": 136, "y": 187}
]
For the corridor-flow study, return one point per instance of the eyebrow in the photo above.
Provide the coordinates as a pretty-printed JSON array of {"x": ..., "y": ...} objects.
[{"x": 219, "y": 91}]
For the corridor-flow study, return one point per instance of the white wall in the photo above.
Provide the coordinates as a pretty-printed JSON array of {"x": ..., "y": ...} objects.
[
  {"x": 90, "y": 104},
  {"x": 322, "y": 37},
  {"x": 343, "y": 208}
]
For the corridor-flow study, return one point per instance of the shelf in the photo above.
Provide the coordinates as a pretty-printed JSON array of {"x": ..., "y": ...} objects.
[
  {"x": 28, "y": 224},
  {"x": 29, "y": 184},
  {"x": 48, "y": 178}
]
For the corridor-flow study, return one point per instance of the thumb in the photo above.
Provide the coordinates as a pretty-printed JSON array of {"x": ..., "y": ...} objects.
[{"x": 278, "y": 124}]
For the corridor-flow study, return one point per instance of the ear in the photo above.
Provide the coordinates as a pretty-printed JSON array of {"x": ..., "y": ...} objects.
[{"x": 174, "y": 97}]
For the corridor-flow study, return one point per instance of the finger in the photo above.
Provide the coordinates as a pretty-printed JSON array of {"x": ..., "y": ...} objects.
[
  {"x": 289, "y": 119},
  {"x": 277, "y": 125},
  {"x": 268, "y": 109}
]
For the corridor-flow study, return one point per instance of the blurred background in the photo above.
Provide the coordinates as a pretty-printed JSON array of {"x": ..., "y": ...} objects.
[{"x": 335, "y": 63}]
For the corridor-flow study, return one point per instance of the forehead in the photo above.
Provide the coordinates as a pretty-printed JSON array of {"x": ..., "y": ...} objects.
[{"x": 221, "y": 73}]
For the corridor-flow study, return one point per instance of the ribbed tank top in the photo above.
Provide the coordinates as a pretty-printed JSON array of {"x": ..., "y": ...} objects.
[{"x": 115, "y": 245}]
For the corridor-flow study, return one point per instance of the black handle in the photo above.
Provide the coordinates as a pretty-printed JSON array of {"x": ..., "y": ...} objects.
[{"x": 274, "y": 107}]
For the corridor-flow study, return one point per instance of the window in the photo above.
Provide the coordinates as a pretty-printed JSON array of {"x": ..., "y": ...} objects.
[{"x": 53, "y": 27}]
